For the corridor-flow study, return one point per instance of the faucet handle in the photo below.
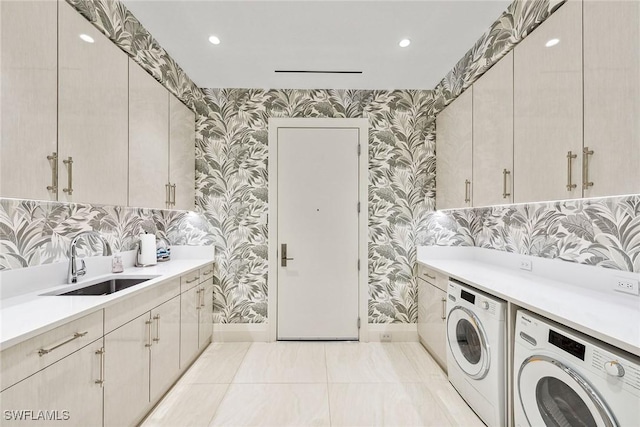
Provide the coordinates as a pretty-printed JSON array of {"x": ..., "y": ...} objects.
[{"x": 82, "y": 270}]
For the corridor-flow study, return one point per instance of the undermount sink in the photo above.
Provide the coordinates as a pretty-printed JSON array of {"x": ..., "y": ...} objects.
[{"x": 105, "y": 287}]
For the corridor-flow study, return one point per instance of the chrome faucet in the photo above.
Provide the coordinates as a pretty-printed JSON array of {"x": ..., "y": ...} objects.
[{"x": 74, "y": 271}]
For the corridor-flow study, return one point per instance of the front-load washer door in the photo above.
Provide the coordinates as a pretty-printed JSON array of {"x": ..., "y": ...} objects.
[
  {"x": 554, "y": 395},
  {"x": 468, "y": 342}
]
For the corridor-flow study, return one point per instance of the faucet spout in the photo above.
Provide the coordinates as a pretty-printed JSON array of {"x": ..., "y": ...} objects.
[{"x": 74, "y": 271}]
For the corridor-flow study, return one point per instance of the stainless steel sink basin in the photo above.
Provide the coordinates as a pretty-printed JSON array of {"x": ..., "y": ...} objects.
[{"x": 105, "y": 287}]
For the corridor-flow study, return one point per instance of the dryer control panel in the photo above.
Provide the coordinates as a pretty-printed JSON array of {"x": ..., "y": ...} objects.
[{"x": 482, "y": 303}]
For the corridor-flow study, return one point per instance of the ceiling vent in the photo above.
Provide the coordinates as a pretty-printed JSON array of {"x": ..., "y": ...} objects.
[{"x": 317, "y": 72}]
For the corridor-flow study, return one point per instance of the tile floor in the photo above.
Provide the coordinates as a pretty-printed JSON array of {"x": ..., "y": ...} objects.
[{"x": 313, "y": 384}]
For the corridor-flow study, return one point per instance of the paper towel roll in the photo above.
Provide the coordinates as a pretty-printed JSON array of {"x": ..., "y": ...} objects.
[{"x": 147, "y": 255}]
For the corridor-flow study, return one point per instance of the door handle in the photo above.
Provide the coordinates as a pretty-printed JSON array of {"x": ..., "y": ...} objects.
[
  {"x": 504, "y": 183},
  {"x": 467, "y": 191},
  {"x": 585, "y": 168},
  {"x": 570, "y": 156},
  {"x": 69, "y": 163},
  {"x": 283, "y": 255},
  {"x": 53, "y": 158}
]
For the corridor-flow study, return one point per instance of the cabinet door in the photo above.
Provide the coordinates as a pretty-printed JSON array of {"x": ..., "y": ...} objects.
[
  {"x": 189, "y": 319},
  {"x": 612, "y": 96},
  {"x": 67, "y": 390},
  {"x": 28, "y": 98},
  {"x": 92, "y": 121},
  {"x": 493, "y": 135},
  {"x": 205, "y": 329},
  {"x": 148, "y": 140},
  {"x": 432, "y": 320},
  {"x": 126, "y": 387},
  {"x": 548, "y": 108},
  {"x": 182, "y": 145},
  {"x": 165, "y": 349},
  {"x": 454, "y": 153}
]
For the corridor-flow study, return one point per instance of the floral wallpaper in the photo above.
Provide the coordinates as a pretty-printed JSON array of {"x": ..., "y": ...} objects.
[
  {"x": 36, "y": 232},
  {"x": 232, "y": 180},
  {"x": 604, "y": 232}
]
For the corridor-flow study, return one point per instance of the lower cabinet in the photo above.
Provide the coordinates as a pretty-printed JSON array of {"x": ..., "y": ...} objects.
[
  {"x": 67, "y": 392},
  {"x": 205, "y": 321},
  {"x": 141, "y": 362},
  {"x": 196, "y": 308},
  {"x": 432, "y": 314}
]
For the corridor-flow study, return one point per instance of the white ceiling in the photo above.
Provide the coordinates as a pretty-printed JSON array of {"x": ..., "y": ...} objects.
[{"x": 260, "y": 36}]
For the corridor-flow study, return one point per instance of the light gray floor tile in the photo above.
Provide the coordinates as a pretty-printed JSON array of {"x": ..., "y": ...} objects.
[{"x": 217, "y": 364}]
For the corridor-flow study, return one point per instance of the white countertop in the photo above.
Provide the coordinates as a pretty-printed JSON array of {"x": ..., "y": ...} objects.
[
  {"x": 25, "y": 315},
  {"x": 575, "y": 295}
]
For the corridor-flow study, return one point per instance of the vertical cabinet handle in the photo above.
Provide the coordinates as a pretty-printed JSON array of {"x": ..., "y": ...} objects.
[
  {"x": 53, "y": 158},
  {"x": 101, "y": 354},
  {"x": 167, "y": 193},
  {"x": 444, "y": 308},
  {"x": 467, "y": 191},
  {"x": 69, "y": 163},
  {"x": 204, "y": 303},
  {"x": 198, "y": 306},
  {"x": 172, "y": 200},
  {"x": 504, "y": 183},
  {"x": 570, "y": 156},
  {"x": 283, "y": 255},
  {"x": 148, "y": 323},
  {"x": 157, "y": 319},
  {"x": 585, "y": 168}
]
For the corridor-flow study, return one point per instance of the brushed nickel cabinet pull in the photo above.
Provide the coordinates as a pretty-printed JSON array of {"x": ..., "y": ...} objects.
[
  {"x": 167, "y": 193},
  {"x": 203, "y": 299},
  {"x": 467, "y": 191},
  {"x": 75, "y": 336},
  {"x": 54, "y": 172},
  {"x": 206, "y": 273},
  {"x": 444, "y": 308},
  {"x": 148, "y": 323},
  {"x": 430, "y": 277},
  {"x": 193, "y": 280},
  {"x": 69, "y": 163},
  {"x": 504, "y": 183},
  {"x": 172, "y": 200},
  {"x": 570, "y": 156},
  {"x": 198, "y": 306},
  {"x": 101, "y": 354},
  {"x": 283, "y": 255},
  {"x": 157, "y": 319},
  {"x": 585, "y": 168}
]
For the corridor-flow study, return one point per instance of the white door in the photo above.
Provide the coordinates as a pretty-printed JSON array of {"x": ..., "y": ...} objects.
[{"x": 318, "y": 223}]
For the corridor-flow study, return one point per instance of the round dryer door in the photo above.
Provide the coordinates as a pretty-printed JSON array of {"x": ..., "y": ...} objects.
[
  {"x": 552, "y": 394},
  {"x": 468, "y": 342}
]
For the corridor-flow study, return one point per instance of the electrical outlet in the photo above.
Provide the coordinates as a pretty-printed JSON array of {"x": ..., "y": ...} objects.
[
  {"x": 629, "y": 286},
  {"x": 525, "y": 264},
  {"x": 385, "y": 336}
]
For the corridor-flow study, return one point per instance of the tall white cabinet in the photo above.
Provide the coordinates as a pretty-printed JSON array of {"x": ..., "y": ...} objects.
[
  {"x": 92, "y": 114},
  {"x": 548, "y": 109},
  {"x": 454, "y": 140},
  {"x": 182, "y": 170},
  {"x": 611, "y": 97},
  {"x": 28, "y": 99}
]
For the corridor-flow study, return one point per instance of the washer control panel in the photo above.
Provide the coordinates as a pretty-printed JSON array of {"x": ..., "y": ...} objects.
[{"x": 617, "y": 368}]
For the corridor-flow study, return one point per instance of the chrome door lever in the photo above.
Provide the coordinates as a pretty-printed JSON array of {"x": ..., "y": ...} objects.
[{"x": 283, "y": 255}]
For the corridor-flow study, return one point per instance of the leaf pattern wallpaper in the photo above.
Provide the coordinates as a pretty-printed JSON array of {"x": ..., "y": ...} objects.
[{"x": 232, "y": 182}]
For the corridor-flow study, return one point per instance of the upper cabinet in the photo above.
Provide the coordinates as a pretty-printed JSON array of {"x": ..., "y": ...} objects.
[
  {"x": 493, "y": 135},
  {"x": 92, "y": 113},
  {"x": 547, "y": 109},
  {"x": 83, "y": 123},
  {"x": 454, "y": 139},
  {"x": 611, "y": 97},
  {"x": 28, "y": 140}
]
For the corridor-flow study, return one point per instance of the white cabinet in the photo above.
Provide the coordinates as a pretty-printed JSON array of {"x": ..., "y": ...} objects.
[
  {"x": 454, "y": 153},
  {"x": 432, "y": 315},
  {"x": 165, "y": 349},
  {"x": 28, "y": 99},
  {"x": 205, "y": 320},
  {"x": 148, "y": 140},
  {"x": 69, "y": 391},
  {"x": 190, "y": 305},
  {"x": 126, "y": 388},
  {"x": 182, "y": 163},
  {"x": 548, "y": 109},
  {"x": 92, "y": 113},
  {"x": 493, "y": 135},
  {"x": 611, "y": 97}
]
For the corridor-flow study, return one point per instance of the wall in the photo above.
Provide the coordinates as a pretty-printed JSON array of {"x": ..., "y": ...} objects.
[{"x": 231, "y": 165}]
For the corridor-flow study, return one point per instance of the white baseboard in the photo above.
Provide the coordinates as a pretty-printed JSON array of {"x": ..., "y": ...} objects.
[
  {"x": 248, "y": 332},
  {"x": 400, "y": 332}
]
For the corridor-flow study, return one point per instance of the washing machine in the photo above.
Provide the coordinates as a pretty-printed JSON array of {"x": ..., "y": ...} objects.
[
  {"x": 476, "y": 350},
  {"x": 564, "y": 378}
]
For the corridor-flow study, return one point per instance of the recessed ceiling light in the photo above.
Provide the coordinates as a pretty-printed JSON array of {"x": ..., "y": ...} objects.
[
  {"x": 86, "y": 38},
  {"x": 552, "y": 42},
  {"x": 404, "y": 42},
  {"x": 214, "y": 40}
]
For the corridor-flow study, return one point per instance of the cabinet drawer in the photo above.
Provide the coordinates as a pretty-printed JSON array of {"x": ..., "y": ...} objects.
[
  {"x": 189, "y": 280},
  {"x": 28, "y": 357},
  {"x": 206, "y": 273},
  {"x": 433, "y": 277}
]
